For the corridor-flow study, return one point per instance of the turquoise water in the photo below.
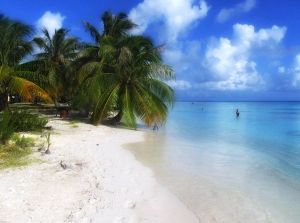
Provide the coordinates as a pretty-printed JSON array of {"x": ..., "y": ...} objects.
[{"x": 229, "y": 169}]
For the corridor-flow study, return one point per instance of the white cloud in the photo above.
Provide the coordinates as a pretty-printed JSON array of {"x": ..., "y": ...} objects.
[
  {"x": 230, "y": 60},
  {"x": 296, "y": 71},
  {"x": 246, "y": 34},
  {"x": 180, "y": 84},
  {"x": 51, "y": 21},
  {"x": 281, "y": 70},
  {"x": 182, "y": 55},
  {"x": 175, "y": 15},
  {"x": 227, "y": 63},
  {"x": 244, "y": 7}
]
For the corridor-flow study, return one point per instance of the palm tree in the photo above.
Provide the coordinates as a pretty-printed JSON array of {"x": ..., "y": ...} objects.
[
  {"x": 14, "y": 44},
  {"x": 12, "y": 83},
  {"x": 14, "y": 47},
  {"x": 54, "y": 63},
  {"x": 114, "y": 27},
  {"x": 125, "y": 74}
]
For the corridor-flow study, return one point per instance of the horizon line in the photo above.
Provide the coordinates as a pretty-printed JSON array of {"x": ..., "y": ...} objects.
[{"x": 237, "y": 101}]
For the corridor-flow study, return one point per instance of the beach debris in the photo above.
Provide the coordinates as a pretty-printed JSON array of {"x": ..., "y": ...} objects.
[
  {"x": 79, "y": 164},
  {"x": 41, "y": 147},
  {"x": 63, "y": 165},
  {"x": 48, "y": 142}
]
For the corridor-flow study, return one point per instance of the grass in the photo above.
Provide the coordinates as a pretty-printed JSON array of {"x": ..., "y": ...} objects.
[
  {"x": 74, "y": 123},
  {"x": 15, "y": 153},
  {"x": 46, "y": 109},
  {"x": 31, "y": 106}
]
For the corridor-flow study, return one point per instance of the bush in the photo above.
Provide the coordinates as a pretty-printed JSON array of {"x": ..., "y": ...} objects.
[
  {"x": 22, "y": 142},
  {"x": 19, "y": 121},
  {"x": 6, "y": 129},
  {"x": 24, "y": 121},
  {"x": 15, "y": 154}
]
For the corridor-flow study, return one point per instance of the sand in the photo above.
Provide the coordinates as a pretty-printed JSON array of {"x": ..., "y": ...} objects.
[{"x": 102, "y": 182}]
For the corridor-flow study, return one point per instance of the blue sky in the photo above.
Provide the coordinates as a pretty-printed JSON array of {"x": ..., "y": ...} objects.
[{"x": 219, "y": 49}]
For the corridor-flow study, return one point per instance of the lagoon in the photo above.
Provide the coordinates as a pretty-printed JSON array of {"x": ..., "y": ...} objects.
[{"x": 228, "y": 169}]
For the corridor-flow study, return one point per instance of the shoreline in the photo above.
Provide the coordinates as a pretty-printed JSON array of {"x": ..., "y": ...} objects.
[
  {"x": 210, "y": 200},
  {"x": 103, "y": 182}
]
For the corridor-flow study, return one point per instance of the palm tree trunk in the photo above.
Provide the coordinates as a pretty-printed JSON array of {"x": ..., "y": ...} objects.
[
  {"x": 117, "y": 119},
  {"x": 3, "y": 101}
]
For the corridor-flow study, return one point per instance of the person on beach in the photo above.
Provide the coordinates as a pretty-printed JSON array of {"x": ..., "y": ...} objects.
[
  {"x": 237, "y": 113},
  {"x": 155, "y": 127}
]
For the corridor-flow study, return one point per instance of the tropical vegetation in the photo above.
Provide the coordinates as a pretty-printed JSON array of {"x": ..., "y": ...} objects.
[
  {"x": 15, "y": 148},
  {"x": 19, "y": 121},
  {"x": 54, "y": 63},
  {"x": 14, "y": 47},
  {"x": 118, "y": 77},
  {"x": 16, "y": 153},
  {"x": 123, "y": 73}
]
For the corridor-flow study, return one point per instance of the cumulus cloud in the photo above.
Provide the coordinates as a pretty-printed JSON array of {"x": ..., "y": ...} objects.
[
  {"x": 243, "y": 7},
  {"x": 183, "y": 55},
  {"x": 51, "y": 21},
  {"x": 230, "y": 60},
  {"x": 296, "y": 71},
  {"x": 226, "y": 63},
  {"x": 176, "y": 16}
]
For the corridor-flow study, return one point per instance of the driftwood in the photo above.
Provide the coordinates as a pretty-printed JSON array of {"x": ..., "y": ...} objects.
[{"x": 63, "y": 165}]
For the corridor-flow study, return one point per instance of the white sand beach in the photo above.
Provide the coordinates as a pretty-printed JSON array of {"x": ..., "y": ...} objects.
[{"x": 102, "y": 182}]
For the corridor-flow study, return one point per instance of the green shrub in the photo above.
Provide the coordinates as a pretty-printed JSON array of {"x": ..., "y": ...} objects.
[
  {"x": 16, "y": 154},
  {"x": 22, "y": 142},
  {"x": 19, "y": 121},
  {"x": 6, "y": 129},
  {"x": 24, "y": 121}
]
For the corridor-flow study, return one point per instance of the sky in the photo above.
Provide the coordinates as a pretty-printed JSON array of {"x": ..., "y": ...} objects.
[{"x": 220, "y": 50}]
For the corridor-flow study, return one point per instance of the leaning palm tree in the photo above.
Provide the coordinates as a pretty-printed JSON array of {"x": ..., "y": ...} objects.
[
  {"x": 54, "y": 63},
  {"x": 14, "y": 47},
  {"x": 114, "y": 27},
  {"x": 11, "y": 83},
  {"x": 125, "y": 78},
  {"x": 135, "y": 88}
]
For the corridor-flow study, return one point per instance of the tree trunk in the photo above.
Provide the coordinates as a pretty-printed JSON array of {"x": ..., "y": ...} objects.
[
  {"x": 110, "y": 121},
  {"x": 3, "y": 101},
  {"x": 117, "y": 119}
]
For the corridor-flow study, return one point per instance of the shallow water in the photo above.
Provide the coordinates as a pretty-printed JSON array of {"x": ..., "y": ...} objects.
[{"x": 228, "y": 169}]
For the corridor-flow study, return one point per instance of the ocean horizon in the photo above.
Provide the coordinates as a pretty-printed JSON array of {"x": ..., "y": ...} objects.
[{"x": 227, "y": 168}]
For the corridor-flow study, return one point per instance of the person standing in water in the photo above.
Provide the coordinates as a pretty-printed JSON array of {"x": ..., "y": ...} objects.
[
  {"x": 237, "y": 113},
  {"x": 155, "y": 127}
]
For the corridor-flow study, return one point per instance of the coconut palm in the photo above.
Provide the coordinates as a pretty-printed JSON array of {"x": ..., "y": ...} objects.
[
  {"x": 14, "y": 47},
  {"x": 115, "y": 26},
  {"x": 126, "y": 75},
  {"x": 54, "y": 62},
  {"x": 11, "y": 83},
  {"x": 14, "y": 44}
]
